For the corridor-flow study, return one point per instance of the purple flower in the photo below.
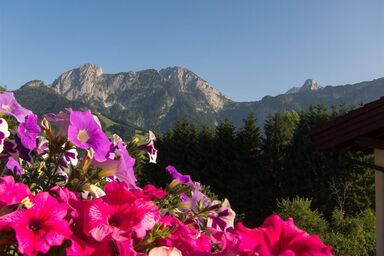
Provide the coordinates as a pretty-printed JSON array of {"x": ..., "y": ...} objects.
[
  {"x": 61, "y": 120},
  {"x": 14, "y": 166},
  {"x": 23, "y": 152},
  {"x": 85, "y": 133},
  {"x": 222, "y": 218},
  {"x": 183, "y": 179},
  {"x": 9, "y": 106},
  {"x": 28, "y": 131},
  {"x": 70, "y": 156},
  {"x": 121, "y": 166},
  {"x": 16, "y": 149},
  {"x": 150, "y": 147},
  {"x": 199, "y": 201},
  {"x": 42, "y": 145}
]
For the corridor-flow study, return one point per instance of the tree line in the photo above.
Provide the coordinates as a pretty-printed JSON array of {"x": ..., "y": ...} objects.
[{"x": 256, "y": 168}]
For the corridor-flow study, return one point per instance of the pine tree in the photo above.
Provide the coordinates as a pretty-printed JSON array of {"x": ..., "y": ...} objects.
[
  {"x": 248, "y": 168},
  {"x": 205, "y": 153},
  {"x": 224, "y": 159}
]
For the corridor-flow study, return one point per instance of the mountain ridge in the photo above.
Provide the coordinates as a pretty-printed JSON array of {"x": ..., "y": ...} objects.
[{"x": 155, "y": 99}]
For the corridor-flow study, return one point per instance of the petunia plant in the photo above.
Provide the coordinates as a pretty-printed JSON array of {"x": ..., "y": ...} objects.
[{"x": 66, "y": 188}]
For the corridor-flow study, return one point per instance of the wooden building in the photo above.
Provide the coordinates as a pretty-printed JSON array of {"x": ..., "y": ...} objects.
[{"x": 361, "y": 129}]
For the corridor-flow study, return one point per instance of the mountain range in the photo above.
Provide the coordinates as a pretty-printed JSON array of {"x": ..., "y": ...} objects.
[{"x": 155, "y": 99}]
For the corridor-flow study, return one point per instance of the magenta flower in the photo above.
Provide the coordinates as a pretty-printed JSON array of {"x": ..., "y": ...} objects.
[
  {"x": 28, "y": 131},
  {"x": 121, "y": 166},
  {"x": 190, "y": 241},
  {"x": 149, "y": 192},
  {"x": 126, "y": 249},
  {"x": 79, "y": 248},
  {"x": 85, "y": 133},
  {"x": 227, "y": 243},
  {"x": 11, "y": 192},
  {"x": 11, "y": 196},
  {"x": 9, "y": 106},
  {"x": 119, "y": 214},
  {"x": 41, "y": 226},
  {"x": 64, "y": 196},
  {"x": 279, "y": 237}
]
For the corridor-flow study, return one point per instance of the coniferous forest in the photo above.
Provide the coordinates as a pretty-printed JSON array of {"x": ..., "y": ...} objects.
[{"x": 276, "y": 169}]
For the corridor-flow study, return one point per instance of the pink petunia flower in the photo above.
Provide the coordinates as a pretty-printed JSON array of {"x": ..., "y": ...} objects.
[
  {"x": 279, "y": 237},
  {"x": 85, "y": 133},
  {"x": 41, "y": 226},
  {"x": 126, "y": 249},
  {"x": 119, "y": 215},
  {"x": 28, "y": 131},
  {"x": 188, "y": 239},
  {"x": 11, "y": 192},
  {"x": 79, "y": 247},
  {"x": 149, "y": 192},
  {"x": 227, "y": 243}
]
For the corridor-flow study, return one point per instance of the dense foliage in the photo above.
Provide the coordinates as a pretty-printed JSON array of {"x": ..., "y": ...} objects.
[
  {"x": 68, "y": 189},
  {"x": 349, "y": 235},
  {"x": 254, "y": 168}
]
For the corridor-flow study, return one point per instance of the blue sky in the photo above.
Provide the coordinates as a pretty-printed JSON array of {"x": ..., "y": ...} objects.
[{"x": 246, "y": 49}]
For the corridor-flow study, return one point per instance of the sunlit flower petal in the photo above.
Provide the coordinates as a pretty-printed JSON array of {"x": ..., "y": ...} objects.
[
  {"x": 28, "y": 131},
  {"x": 85, "y": 133},
  {"x": 9, "y": 106}
]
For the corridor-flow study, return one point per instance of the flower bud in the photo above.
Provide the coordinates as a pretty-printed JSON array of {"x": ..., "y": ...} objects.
[{"x": 87, "y": 160}]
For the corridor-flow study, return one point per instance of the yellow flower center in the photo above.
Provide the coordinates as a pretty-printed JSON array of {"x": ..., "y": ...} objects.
[
  {"x": 27, "y": 202},
  {"x": 6, "y": 107},
  {"x": 83, "y": 136}
]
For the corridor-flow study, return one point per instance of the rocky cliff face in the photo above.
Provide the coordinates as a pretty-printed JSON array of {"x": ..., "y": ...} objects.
[
  {"x": 150, "y": 97},
  {"x": 188, "y": 82},
  {"x": 79, "y": 82},
  {"x": 309, "y": 85}
]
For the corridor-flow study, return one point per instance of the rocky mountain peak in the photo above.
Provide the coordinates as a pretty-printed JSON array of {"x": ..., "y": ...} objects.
[
  {"x": 188, "y": 82},
  {"x": 77, "y": 82},
  {"x": 171, "y": 90},
  {"x": 33, "y": 84},
  {"x": 179, "y": 76},
  {"x": 90, "y": 69},
  {"x": 310, "y": 85}
]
